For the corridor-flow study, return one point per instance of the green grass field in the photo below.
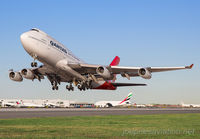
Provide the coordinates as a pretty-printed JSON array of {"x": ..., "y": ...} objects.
[{"x": 135, "y": 126}]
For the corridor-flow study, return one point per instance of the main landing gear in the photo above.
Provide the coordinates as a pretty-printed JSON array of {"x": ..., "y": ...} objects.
[
  {"x": 81, "y": 87},
  {"x": 54, "y": 85},
  {"x": 84, "y": 86},
  {"x": 70, "y": 87},
  {"x": 55, "y": 80}
]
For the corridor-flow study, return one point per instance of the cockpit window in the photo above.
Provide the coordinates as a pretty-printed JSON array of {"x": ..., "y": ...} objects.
[{"x": 35, "y": 30}]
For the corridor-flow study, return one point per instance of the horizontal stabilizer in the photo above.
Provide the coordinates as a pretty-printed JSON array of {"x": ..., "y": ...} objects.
[{"x": 127, "y": 84}]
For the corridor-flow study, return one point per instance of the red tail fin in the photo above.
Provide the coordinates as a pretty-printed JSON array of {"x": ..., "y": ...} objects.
[{"x": 115, "y": 62}]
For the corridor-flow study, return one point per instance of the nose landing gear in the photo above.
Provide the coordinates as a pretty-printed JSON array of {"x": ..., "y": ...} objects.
[{"x": 34, "y": 64}]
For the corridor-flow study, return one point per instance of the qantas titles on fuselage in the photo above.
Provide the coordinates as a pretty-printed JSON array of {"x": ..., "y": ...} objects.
[
  {"x": 62, "y": 49},
  {"x": 58, "y": 46},
  {"x": 60, "y": 65}
]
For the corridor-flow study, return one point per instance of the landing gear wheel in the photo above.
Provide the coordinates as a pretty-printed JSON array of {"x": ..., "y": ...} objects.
[
  {"x": 70, "y": 87},
  {"x": 34, "y": 64},
  {"x": 54, "y": 87}
]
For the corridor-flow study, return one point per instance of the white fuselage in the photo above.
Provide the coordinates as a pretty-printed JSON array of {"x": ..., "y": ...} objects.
[
  {"x": 51, "y": 53},
  {"x": 54, "y": 55},
  {"x": 46, "y": 49},
  {"x": 61, "y": 65}
]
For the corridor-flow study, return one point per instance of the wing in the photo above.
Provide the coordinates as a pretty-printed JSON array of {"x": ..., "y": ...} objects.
[
  {"x": 134, "y": 70},
  {"x": 124, "y": 71},
  {"x": 41, "y": 71},
  {"x": 53, "y": 74}
]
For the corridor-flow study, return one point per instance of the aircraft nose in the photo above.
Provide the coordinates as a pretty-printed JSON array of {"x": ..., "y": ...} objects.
[
  {"x": 25, "y": 41},
  {"x": 23, "y": 37}
]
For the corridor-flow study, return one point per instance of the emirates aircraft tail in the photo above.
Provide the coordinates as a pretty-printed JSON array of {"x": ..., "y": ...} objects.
[{"x": 127, "y": 98}]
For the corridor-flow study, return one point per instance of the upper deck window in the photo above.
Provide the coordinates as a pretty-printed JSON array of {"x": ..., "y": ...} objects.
[{"x": 35, "y": 30}]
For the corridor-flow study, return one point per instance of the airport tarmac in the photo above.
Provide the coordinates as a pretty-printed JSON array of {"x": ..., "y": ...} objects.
[{"x": 7, "y": 113}]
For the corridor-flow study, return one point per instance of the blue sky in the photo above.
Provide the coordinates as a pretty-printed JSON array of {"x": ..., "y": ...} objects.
[{"x": 142, "y": 33}]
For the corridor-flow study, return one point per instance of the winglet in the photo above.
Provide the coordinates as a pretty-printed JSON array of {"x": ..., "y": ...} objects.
[
  {"x": 189, "y": 67},
  {"x": 10, "y": 70}
]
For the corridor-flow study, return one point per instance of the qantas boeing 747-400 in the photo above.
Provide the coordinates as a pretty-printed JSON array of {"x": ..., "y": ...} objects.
[{"x": 60, "y": 65}]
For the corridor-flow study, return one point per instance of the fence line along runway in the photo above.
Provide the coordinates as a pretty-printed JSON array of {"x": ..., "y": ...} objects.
[{"x": 7, "y": 113}]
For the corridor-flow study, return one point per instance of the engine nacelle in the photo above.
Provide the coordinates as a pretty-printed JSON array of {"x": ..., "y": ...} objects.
[
  {"x": 104, "y": 72},
  {"x": 144, "y": 73},
  {"x": 15, "y": 76},
  {"x": 28, "y": 74}
]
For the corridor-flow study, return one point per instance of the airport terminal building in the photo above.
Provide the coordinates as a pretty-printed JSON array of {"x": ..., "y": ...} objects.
[{"x": 47, "y": 103}]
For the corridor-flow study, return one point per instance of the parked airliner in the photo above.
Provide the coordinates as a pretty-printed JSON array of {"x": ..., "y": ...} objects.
[
  {"x": 60, "y": 65},
  {"x": 125, "y": 101}
]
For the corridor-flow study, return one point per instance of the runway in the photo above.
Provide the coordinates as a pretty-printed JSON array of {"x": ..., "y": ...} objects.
[{"x": 8, "y": 113}]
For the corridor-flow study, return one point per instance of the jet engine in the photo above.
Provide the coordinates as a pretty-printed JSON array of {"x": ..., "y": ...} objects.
[
  {"x": 15, "y": 76},
  {"x": 28, "y": 74},
  {"x": 104, "y": 72},
  {"x": 144, "y": 73}
]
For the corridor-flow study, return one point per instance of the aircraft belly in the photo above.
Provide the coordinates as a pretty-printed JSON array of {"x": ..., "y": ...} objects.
[
  {"x": 63, "y": 66},
  {"x": 64, "y": 77},
  {"x": 97, "y": 84}
]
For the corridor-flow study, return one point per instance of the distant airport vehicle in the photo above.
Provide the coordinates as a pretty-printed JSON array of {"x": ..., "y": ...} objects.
[
  {"x": 126, "y": 101},
  {"x": 60, "y": 65}
]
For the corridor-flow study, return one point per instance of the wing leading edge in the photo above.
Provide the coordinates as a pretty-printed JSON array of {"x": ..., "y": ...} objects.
[{"x": 131, "y": 71}]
